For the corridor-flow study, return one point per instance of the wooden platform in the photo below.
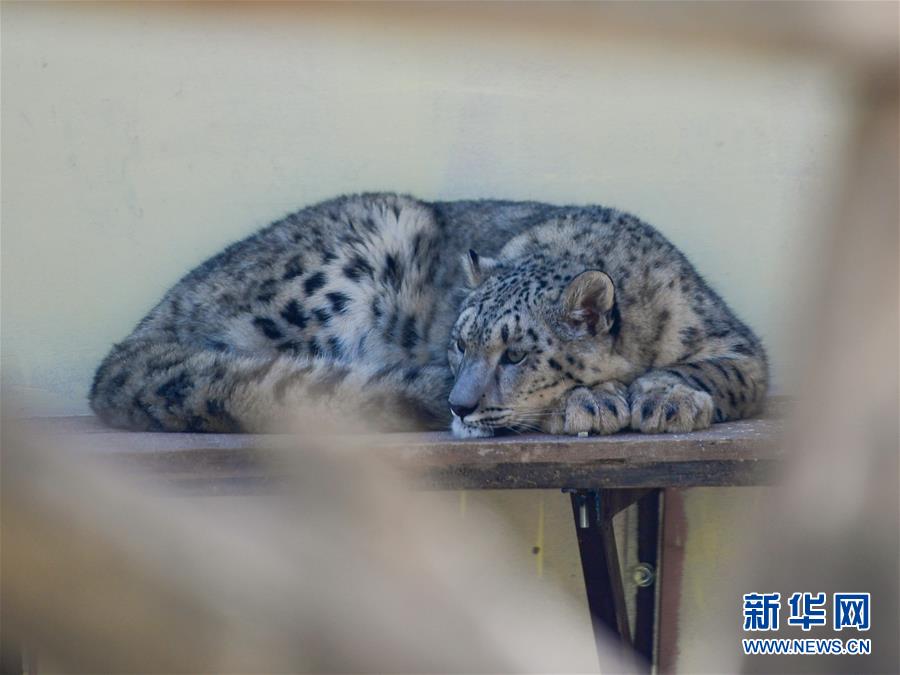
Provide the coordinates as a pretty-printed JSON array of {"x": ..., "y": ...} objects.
[
  {"x": 737, "y": 453},
  {"x": 604, "y": 474}
]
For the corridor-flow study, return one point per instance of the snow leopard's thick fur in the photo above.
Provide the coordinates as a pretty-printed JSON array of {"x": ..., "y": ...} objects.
[{"x": 515, "y": 315}]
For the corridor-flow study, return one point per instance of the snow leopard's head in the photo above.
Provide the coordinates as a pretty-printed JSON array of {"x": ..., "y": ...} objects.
[{"x": 529, "y": 330}]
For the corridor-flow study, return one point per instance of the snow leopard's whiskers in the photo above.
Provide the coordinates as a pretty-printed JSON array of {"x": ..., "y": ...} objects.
[{"x": 524, "y": 427}]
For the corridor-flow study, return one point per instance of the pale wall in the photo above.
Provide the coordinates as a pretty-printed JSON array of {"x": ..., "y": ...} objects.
[{"x": 138, "y": 140}]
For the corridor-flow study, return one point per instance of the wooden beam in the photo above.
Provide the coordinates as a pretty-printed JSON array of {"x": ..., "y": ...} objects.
[{"x": 738, "y": 453}]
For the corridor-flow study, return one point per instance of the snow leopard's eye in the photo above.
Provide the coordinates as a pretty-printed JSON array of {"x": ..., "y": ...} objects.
[
  {"x": 461, "y": 346},
  {"x": 511, "y": 357}
]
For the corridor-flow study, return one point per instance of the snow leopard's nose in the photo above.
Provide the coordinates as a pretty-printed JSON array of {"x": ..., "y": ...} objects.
[
  {"x": 462, "y": 410},
  {"x": 469, "y": 386}
]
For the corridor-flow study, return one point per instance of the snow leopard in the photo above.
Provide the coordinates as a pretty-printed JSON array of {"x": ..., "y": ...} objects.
[{"x": 485, "y": 316}]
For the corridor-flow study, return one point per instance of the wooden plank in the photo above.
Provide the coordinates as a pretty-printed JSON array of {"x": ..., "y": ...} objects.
[{"x": 737, "y": 453}]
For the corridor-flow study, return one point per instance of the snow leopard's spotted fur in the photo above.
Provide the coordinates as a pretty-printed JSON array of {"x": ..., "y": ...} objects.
[{"x": 567, "y": 319}]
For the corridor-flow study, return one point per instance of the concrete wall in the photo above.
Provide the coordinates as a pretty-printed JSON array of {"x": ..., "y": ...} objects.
[{"x": 139, "y": 139}]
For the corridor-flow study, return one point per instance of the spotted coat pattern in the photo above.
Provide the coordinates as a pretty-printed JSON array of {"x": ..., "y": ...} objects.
[{"x": 361, "y": 302}]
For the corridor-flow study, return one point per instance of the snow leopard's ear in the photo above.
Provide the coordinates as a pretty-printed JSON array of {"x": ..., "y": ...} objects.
[
  {"x": 588, "y": 302},
  {"x": 477, "y": 268}
]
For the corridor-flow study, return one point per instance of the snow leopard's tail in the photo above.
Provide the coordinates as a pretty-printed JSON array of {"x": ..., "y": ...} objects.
[{"x": 150, "y": 382}]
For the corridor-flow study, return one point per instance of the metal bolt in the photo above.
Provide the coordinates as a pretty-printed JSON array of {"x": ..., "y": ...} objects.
[
  {"x": 643, "y": 575},
  {"x": 583, "y": 521}
]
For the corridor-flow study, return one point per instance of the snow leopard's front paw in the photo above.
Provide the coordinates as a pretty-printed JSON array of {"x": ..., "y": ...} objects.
[
  {"x": 462, "y": 430},
  {"x": 673, "y": 408},
  {"x": 602, "y": 410}
]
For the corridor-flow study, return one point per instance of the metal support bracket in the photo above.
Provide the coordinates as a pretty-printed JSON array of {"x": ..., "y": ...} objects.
[{"x": 593, "y": 511}]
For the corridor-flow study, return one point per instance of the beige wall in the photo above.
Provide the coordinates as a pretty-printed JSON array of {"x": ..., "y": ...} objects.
[{"x": 138, "y": 140}]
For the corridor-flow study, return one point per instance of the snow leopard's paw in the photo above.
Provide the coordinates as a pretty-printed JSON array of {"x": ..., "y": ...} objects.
[
  {"x": 601, "y": 410},
  {"x": 672, "y": 409}
]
